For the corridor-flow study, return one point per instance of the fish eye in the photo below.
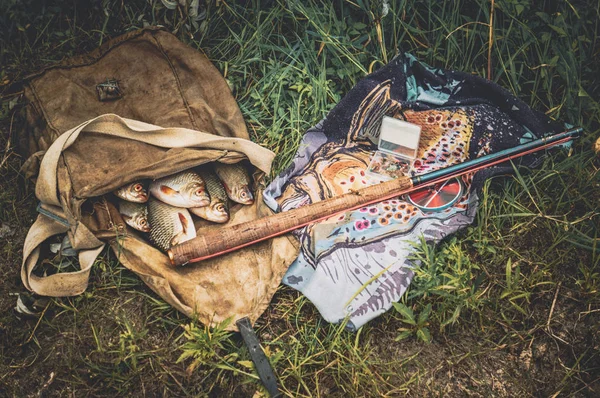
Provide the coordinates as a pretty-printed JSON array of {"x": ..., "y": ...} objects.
[
  {"x": 220, "y": 207},
  {"x": 199, "y": 192},
  {"x": 142, "y": 222},
  {"x": 243, "y": 194},
  {"x": 138, "y": 187}
]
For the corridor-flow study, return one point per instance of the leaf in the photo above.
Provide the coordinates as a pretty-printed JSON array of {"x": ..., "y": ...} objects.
[
  {"x": 193, "y": 11},
  {"x": 518, "y": 307},
  {"x": 259, "y": 394},
  {"x": 509, "y": 273},
  {"x": 424, "y": 315},
  {"x": 582, "y": 93},
  {"x": 558, "y": 30},
  {"x": 403, "y": 335},
  {"x": 190, "y": 369},
  {"x": 525, "y": 295},
  {"x": 171, "y": 5},
  {"x": 424, "y": 335},
  {"x": 186, "y": 354},
  {"x": 519, "y": 8},
  {"x": 454, "y": 316},
  {"x": 406, "y": 312},
  {"x": 247, "y": 364},
  {"x": 446, "y": 287},
  {"x": 543, "y": 16}
]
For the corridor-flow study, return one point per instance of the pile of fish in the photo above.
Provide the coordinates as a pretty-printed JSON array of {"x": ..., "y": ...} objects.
[{"x": 161, "y": 208}]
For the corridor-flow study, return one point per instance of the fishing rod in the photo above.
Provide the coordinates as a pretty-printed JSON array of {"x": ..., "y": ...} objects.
[{"x": 218, "y": 240}]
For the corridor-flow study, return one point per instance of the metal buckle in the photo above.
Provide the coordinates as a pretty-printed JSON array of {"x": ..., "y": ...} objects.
[{"x": 109, "y": 90}]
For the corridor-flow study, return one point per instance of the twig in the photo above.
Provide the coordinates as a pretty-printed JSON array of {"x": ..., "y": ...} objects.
[
  {"x": 587, "y": 312},
  {"x": 330, "y": 364},
  {"x": 556, "y": 394},
  {"x": 491, "y": 40},
  {"x": 40, "y": 393},
  {"x": 37, "y": 324},
  {"x": 10, "y": 94},
  {"x": 552, "y": 307},
  {"x": 466, "y": 24},
  {"x": 587, "y": 385},
  {"x": 380, "y": 39},
  {"x": 6, "y": 150}
]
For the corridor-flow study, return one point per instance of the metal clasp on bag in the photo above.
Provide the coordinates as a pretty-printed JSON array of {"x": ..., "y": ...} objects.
[{"x": 109, "y": 90}]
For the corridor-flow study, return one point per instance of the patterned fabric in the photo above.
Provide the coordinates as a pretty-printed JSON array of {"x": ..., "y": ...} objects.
[{"x": 356, "y": 265}]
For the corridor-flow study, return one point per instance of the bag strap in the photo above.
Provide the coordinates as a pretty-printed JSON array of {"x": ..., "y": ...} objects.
[
  {"x": 47, "y": 190},
  {"x": 56, "y": 285}
]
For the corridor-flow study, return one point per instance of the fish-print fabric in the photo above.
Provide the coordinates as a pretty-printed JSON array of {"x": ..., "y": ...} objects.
[{"x": 356, "y": 265}]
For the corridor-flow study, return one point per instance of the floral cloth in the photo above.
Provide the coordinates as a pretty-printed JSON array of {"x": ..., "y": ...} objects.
[{"x": 356, "y": 265}]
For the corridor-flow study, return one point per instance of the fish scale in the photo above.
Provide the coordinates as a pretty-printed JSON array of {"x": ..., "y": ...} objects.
[
  {"x": 184, "y": 189},
  {"x": 213, "y": 184},
  {"x": 135, "y": 215},
  {"x": 183, "y": 178},
  {"x": 166, "y": 222},
  {"x": 218, "y": 209},
  {"x": 236, "y": 182}
]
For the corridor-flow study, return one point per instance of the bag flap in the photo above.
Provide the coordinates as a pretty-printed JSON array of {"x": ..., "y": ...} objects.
[
  {"x": 157, "y": 79},
  {"x": 116, "y": 139}
]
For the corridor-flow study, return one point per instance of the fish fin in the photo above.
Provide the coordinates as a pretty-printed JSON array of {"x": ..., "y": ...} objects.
[
  {"x": 175, "y": 240},
  {"x": 167, "y": 190},
  {"x": 184, "y": 223}
]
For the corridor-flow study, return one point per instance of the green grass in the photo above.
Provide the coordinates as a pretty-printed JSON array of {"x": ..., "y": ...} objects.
[{"x": 508, "y": 307}]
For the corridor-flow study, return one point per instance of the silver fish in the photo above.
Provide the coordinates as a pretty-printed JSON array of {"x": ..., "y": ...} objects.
[
  {"x": 185, "y": 189},
  {"x": 218, "y": 209},
  {"x": 135, "y": 215},
  {"x": 136, "y": 191},
  {"x": 170, "y": 225},
  {"x": 236, "y": 182}
]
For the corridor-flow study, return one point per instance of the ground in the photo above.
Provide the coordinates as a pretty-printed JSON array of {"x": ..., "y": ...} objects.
[{"x": 514, "y": 299}]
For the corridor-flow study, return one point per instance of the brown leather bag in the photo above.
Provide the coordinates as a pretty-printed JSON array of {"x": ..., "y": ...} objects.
[{"x": 93, "y": 125}]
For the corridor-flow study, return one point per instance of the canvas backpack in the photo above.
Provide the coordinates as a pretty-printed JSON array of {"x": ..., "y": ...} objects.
[{"x": 93, "y": 125}]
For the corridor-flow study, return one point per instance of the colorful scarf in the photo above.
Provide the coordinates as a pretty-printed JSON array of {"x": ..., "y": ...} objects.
[{"x": 356, "y": 265}]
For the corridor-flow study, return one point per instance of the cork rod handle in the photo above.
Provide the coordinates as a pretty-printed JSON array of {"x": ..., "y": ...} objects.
[{"x": 220, "y": 240}]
